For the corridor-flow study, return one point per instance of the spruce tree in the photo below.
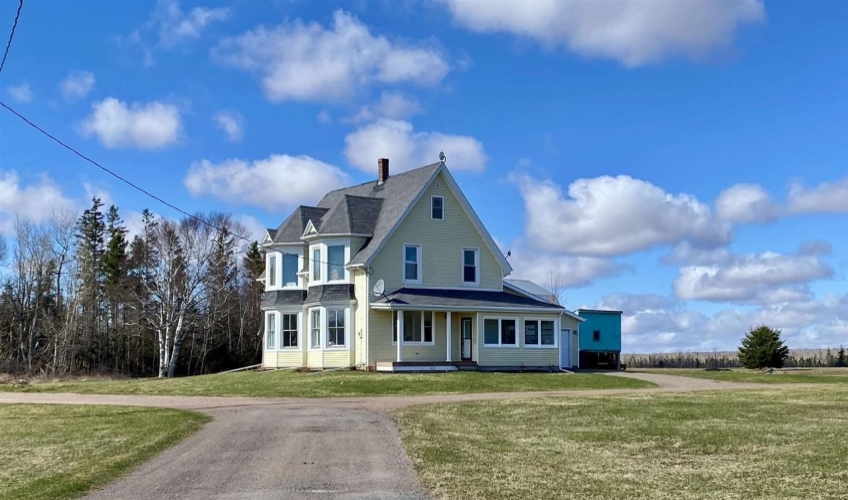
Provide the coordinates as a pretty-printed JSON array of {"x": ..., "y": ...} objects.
[
  {"x": 762, "y": 347},
  {"x": 840, "y": 357}
]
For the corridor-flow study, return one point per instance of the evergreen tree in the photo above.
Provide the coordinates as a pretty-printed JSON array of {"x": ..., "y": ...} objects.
[
  {"x": 762, "y": 347},
  {"x": 840, "y": 357},
  {"x": 115, "y": 257}
]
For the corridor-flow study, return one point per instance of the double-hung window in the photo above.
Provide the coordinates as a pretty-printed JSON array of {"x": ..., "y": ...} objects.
[
  {"x": 272, "y": 270},
  {"x": 417, "y": 327},
  {"x": 437, "y": 208},
  {"x": 539, "y": 333},
  {"x": 470, "y": 258},
  {"x": 290, "y": 269},
  {"x": 316, "y": 264},
  {"x": 270, "y": 330},
  {"x": 412, "y": 263},
  {"x": 500, "y": 332},
  {"x": 335, "y": 327},
  {"x": 335, "y": 262},
  {"x": 289, "y": 333},
  {"x": 315, "y": 328}
]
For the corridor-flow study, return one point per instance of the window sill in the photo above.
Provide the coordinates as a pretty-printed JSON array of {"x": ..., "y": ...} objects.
[
  {"x": 416, "y": 344},
  {"x": 408, "y": 282},
  {"x": 534, "y": 346},
  {"x": 337, "y": 348},
  {"x": 470, "y": 285},
  {"x": 289, "y": 348}
]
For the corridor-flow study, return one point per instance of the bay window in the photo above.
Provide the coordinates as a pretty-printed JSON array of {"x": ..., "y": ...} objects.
[
  {"x": 290, "y": 264},
  {"x": 316, "y": 264},
  {"x": 315, "y": 328},
  {"x": 289, "y": 333},
  {"x": 335, "y": 327},
  {"x": 271, "y": 275},
  {"x": 271, "y": 330},
  {"x": 335, "y": 262}
]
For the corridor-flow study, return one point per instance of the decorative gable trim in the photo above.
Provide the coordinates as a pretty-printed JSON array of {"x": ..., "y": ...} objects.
[{"x": 309, "y": 230}]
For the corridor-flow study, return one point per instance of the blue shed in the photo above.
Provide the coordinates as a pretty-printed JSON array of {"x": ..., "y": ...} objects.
[{"x": 600, "y": 339}]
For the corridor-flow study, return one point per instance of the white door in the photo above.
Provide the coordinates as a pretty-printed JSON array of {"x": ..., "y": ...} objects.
[
  {"x": 565, "y": 349},
  {"x": 466, "y": 338}
]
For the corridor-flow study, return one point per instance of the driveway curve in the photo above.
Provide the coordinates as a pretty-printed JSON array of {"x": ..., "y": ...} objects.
[{"x": 298, "y": 448}]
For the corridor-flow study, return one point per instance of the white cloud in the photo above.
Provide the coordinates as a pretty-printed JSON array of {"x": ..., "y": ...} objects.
[
  {"x": 21, "y": 93},
  {"x": 633, "y": 32},
  {"x": 77, "y": 85},
  {"x": 306, "y": 62},
  {"x": 231, "y": 123},
  {"x": 255, "y": 229},
  {"x": 827, "y": 197},
  {"x": 572, "y": 271},
  {"x": 174, "y": 26},
  {"x": 392, "y": 105},
  {"x": 271, "y": 183},
  {"x": 33, "y": 202},
  {"x": 143, "y": 126},
  {"x": 407, "y": 149},
  {"x": 607, "y": 216},
  {"x": 746, "y": 203}
]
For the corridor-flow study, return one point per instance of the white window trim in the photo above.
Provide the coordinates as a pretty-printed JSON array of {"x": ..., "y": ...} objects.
[
  {"x": 476, "y": 267},
  {"x": 315, "y": 264},
  {"x": 276, "y": 256},
  {"x": 412, "y": 342},
  {"x": 311, "y": 311},
  {"x": 431, "y": 207},
  {"x": 538, "y": 322},
  {"x": 346, "y": 258},
  {"x": 420, "y": 264},
  {"x": 500, "y": 345},
  {"x": 324, "y": 261},
  {"x": 277, "y": 329},
  {"x": 325, "y": 329},
  {"x": 299, "y": 346},
  {"x": 299, "y": 283}
]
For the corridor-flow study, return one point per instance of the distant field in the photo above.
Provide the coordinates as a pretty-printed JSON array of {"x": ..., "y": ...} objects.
[
  {"x": 57, "y": 452},
  {"x": 338, "y": 383},
  {"x": 799, "y": 375},
  {"x": 755, "y": 444}
]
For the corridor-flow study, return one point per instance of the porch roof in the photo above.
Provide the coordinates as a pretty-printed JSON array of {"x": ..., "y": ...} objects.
[{"x": 462, "y": 300}]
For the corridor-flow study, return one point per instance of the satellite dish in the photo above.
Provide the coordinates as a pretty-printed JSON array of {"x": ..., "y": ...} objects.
[
  {"x": 442, "y": 156},
  {"x": 379, "y": 288}
]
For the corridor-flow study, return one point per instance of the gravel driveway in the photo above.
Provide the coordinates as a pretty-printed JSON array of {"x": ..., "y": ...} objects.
[{"x": 339, "y": 448}]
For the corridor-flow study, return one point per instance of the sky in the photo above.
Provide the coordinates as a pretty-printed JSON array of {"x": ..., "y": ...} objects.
[{"x": 684, "y": 162}]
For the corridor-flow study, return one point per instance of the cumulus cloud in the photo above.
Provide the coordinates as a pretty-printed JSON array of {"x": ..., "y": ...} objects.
[
  {"x": 149, "y": 126},
  {"x": 571, "y": 271},
  {"x": 407, "y": 149},
  {"x": 175, "y": 26},
  {"x": 827, "y": 197},
  {"x": 746, "y": 203},
  {"x": 608, "y": 216},
  {"x": 21, "y": 93},
  {"x": 271, "y": 183},
  {"x": 231, "y": 123},
  {"x": 392, "y": 105},
  {"x": 632, "y": 32},
  {"x": 301, "y": 61},
  {"x": 33, "y": 202},
  {"x": 77, "y": 85}
]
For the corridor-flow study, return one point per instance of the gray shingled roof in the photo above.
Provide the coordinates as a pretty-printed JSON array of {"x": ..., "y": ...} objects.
[
  {"x": 329, "y": 293},
  {"x": 292, "y": 228},
  {"x": 352, "y": 215},
  {"x": 471, "y": 299},
  {"x": 283, "y": 298}
]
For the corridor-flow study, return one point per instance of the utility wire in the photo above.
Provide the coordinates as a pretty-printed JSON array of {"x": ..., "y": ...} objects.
[{"x": 11, "y": 35}]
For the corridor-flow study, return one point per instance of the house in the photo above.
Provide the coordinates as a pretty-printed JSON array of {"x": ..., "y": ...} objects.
[
  {"x": 600, "y": 339},
  {"x": 398, "y": 274}
]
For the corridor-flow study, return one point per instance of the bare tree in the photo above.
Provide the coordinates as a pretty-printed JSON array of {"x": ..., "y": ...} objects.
[{"x": 555, "y": 285}]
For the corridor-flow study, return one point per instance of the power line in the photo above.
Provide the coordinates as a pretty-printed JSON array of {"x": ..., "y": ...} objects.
[{"x": 11, "y": 35}]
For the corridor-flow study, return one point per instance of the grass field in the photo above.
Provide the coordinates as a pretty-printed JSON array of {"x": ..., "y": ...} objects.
[
  {"x": 56, "y": 452},
  {"x": 808, "y": 376},
  {"x": 339, "y": 383},
  {"x": 763, "y": 444}
]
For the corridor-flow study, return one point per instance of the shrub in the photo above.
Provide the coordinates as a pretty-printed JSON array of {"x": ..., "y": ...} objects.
[{"x": 762, "y": 347}]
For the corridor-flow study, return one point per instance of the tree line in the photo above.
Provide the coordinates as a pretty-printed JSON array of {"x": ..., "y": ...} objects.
[
  {"x": 77, "y": 296},
  {"x": 821, "y": 359}
]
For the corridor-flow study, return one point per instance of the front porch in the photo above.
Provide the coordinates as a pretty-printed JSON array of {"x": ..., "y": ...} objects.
[{"x": 425, "y": 366}]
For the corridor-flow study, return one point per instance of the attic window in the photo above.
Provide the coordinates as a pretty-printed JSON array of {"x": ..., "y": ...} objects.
[{"x": 437, "y": 208}]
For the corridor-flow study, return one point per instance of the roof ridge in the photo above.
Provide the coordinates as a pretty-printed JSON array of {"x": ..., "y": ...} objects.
[{"x": 373, "y": 181}]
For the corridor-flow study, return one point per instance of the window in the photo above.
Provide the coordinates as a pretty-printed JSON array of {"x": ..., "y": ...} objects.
[
  {"x": 499, "y": 332},
  {"x": 315, "y": 324},
  {"x": 469, "y": 266},
  {"x": 289, "y": 333},
  {"x": 335, "y": 327},
  {"x": 272, "y": 270},
  {"x": 539, "y": 332},
  {"x": 437, "y": 208},
  {"x": 335, "y": 262},
  {"x": 290, "y": 269},
  {"x": 316, "y": 264},
  {"x": 596, "y": 335},
  {"x": 412, "y": 263},
  {"x": 270, "y": 330},
  {"x": 417, "y": 327}
]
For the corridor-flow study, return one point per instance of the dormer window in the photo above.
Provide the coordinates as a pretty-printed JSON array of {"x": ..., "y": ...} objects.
[
  {"x": 437, "y": 207},
  {"x": 290, "y": 269}
]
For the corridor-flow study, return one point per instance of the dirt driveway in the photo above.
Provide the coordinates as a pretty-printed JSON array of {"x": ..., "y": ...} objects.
[{"x": 339, "y": 448}]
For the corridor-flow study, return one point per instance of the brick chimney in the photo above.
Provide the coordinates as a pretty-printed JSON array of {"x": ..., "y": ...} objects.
[{"x": 382, "y": 170}]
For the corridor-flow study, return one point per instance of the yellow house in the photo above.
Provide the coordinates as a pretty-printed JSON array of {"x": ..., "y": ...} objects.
[{"x": 399, "y": 274}]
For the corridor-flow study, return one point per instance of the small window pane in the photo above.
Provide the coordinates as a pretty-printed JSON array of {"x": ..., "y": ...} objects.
[
  {"x": 428, "y": 326},
  {"x": 531, "y": 333},
  {"x": 490, "y": 331},
  {"x": 469, "y": 266},
  {"x": 289, "y": 336},
  {"x": 470, "y": 257},
  {"x": 548, "y": 337},
  {"x": 271, "y": 330},
  {"x": 596, "y": 335},
  {"x": 412, "y": 254},
  {"x": 316, "y": 264},
  {"x": 290, "y": 269},
  {"x": 438, "y": 207},
  {"x": 316, "y": 328},
  {"x": 411, "y": 271},
  {"x": 272, "y": 270},
  {"x": 412, "y": 326},
  {"x": 508, "y": 332},
  {"x": 335, "y": 259},
  {"x": 335, "y": 327}
]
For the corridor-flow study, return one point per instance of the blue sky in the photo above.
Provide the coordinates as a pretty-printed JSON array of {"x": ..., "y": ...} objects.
[{"x": 682, "y": 161}]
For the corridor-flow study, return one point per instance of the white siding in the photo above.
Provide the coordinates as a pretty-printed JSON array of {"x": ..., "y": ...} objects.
[{"x": 519, "y": 355}]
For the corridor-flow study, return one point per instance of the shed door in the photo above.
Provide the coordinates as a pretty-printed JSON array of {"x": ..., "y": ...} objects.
[{"x": 565, "y": 349}]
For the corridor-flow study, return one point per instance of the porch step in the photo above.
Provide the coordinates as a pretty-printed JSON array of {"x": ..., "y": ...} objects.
[{"x": 425, "y": 366}]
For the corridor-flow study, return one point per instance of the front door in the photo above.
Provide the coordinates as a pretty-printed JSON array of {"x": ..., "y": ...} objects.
[
  {"x": 565, "y": 349},
  {"x": 466, "y": 338}
]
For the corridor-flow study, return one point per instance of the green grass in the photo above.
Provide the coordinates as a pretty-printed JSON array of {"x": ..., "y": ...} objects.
[
  {"x": 339, "y": 383},
  {"x": 56, "y": 452},
  {"x": 811, "y": 376},
  {"x": 763, "y": 444}
]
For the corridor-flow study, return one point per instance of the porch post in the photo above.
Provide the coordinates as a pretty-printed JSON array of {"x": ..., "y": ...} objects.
[
  {"x": 400, "y": 336},
  {"x": 448, "y": 329}
]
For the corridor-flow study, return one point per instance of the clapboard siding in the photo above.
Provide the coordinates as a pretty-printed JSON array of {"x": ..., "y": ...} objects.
[
  {"x": 289, "y": 358},
  {"x": 519, "y": 355},
  {"x": 357, "y": 332},
  {"x": 337, "y": 358}
]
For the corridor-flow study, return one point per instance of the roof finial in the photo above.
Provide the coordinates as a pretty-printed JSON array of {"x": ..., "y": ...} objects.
[{"x": 442, "y": 157}]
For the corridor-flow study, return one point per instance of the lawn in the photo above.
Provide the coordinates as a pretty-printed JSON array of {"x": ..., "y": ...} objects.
[
  {"x": 720, "y": 445},
  {"x": 338, "y": 383},
  {"x": 809, "y": 376},
  {"x": 55, "y": 452}
]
